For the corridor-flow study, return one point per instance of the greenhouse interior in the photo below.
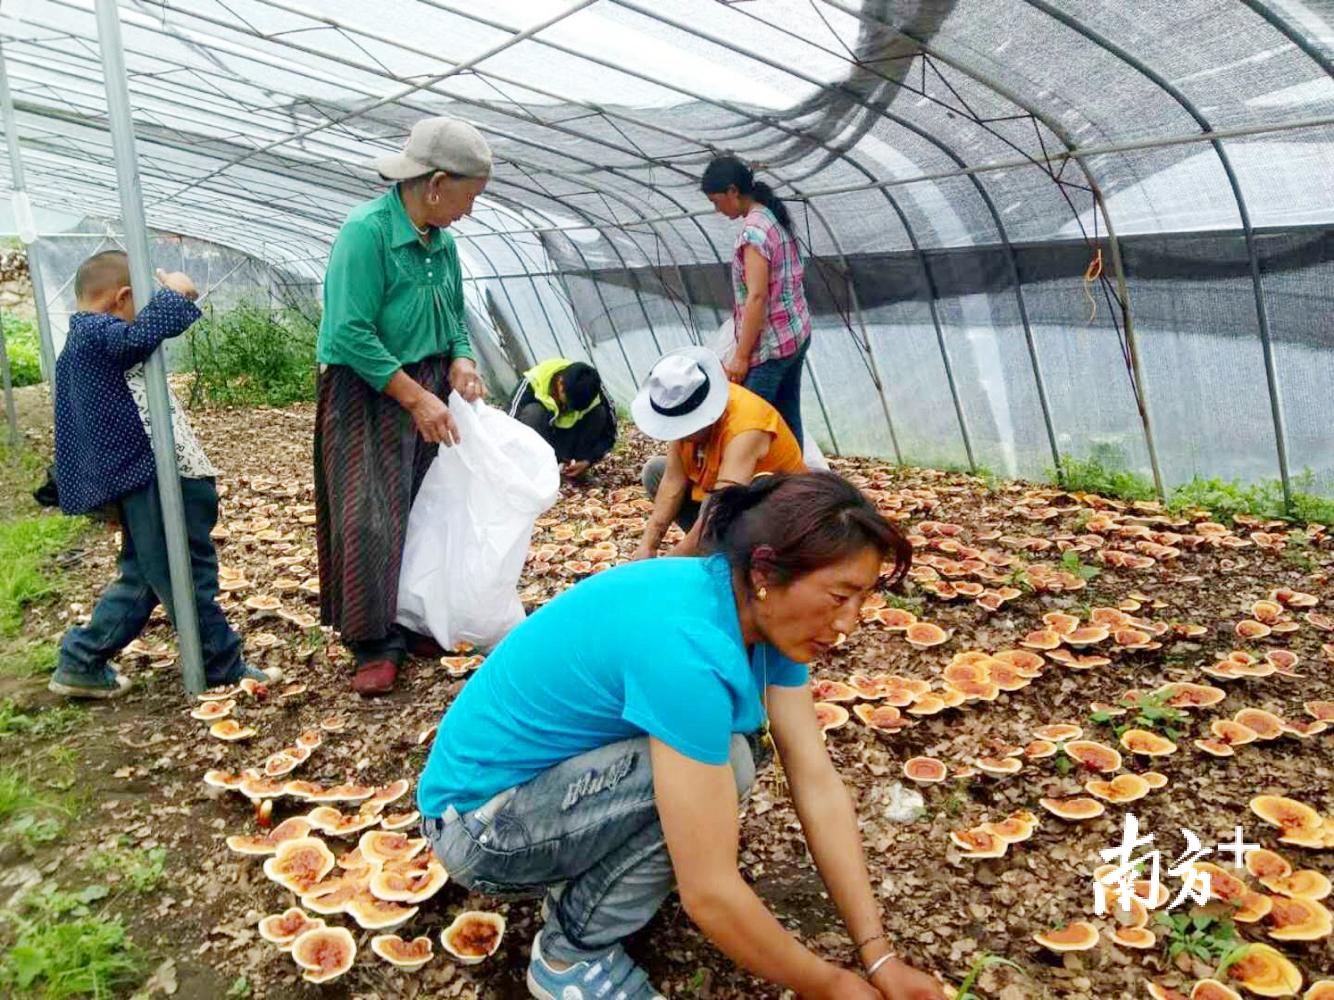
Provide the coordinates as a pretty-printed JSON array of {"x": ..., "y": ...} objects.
[{"x": 1055, "y": 244}]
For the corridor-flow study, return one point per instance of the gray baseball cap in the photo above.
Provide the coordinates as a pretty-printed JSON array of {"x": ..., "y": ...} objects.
[{"x": 447, "y": 144}]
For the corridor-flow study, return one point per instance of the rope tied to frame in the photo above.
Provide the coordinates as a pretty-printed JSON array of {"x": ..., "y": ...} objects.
[{"x": 1093, "y": 273}]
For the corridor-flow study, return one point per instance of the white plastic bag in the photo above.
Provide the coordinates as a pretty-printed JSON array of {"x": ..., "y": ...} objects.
[
  {"x": 725, "y": 347},
  {"x": 470, "y": 526}
]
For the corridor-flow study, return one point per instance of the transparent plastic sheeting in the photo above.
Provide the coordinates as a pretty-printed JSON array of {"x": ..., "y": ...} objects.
[{"x": 926, "y": 148}]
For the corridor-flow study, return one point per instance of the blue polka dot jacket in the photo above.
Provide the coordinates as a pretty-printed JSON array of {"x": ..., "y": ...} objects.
[{"x": 102, "y": 451}]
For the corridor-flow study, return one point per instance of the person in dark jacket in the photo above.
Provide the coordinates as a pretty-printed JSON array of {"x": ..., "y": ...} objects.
[
  {"x": 564, "y": 401},
  {"x": 104, "y": 458}
]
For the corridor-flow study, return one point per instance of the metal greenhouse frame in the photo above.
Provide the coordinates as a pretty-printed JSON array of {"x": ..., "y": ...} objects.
[{"x": 1035, "y": 229}]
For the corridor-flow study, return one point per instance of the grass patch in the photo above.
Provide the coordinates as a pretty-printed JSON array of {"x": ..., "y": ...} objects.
[
  {"x": 1092, "y": 475},
  {"x": 47, "y": 722},
  {"x": 29, "y": 661},
  {"x": 1104, "y": 473},
  {"x": 61, "y": 948},
  {"x": 30, "y": 817},
  {"x": 21, "y": 344},
  {"x": 139, "y": 869},
  {"x": 26, "y": 547},
  {"x": 17, "y": 794},
  {"x": 1263, "y": 499},
  {"x": 22, "y": 470},
  {"x": 252, "y": 356}
]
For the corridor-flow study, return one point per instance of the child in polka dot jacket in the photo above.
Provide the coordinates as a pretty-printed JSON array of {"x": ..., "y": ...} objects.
[{"x": 104, "y": 458}]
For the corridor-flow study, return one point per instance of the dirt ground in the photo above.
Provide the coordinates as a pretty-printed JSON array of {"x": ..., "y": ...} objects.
[{"x": 144, "y": 757}]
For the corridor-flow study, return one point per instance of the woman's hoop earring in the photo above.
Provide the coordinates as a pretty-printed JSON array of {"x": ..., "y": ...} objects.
[{"x": 433, "y": 199}]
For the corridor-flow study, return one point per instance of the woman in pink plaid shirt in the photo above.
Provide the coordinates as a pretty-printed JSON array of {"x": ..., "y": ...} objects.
[{"x": 770, "y": 315}]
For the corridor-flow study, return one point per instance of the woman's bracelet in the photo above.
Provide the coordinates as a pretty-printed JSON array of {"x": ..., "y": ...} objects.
[{"x": 875, "y": 966}]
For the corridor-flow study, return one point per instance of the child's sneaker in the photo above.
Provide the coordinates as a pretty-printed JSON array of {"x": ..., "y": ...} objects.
[
  {"x": 612, "y": 976},
  {"x": 106, "y": 683},
  {"x": 269, "y": 675}
]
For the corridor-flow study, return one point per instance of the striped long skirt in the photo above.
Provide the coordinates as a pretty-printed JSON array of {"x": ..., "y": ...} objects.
[{"x": 369, "y": 463}]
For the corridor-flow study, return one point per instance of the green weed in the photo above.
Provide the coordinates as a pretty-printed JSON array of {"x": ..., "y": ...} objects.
[
  {"x": 1263, "y": 499},
  {"x": 252, "y": 356},
  {"x": 958, "y": 798},
  {"x": 980, "y": 965},
  {"x": 1071, "y": 563},
  {"x": 1105, "y": 473},
  {"x": 61, "y": 948},
  {"x": 1201, "y": 935},
  {"x": 33, "y": 831},
  {"x": 913, "y": 604},
  {"x": 30, "y": 661},
  {"x": 240, "y": 989},
  {"x": 21, "y": 344},
  {"x": 1150, "y": 712},
  {"x": 30, "y": 817},
  {"x": 17, "y": 794},
  {"x": 140, "y": 869},
  {"x": 47, "y": 722},
  {"x": 1104, "y": 476},
  {"x": 26, "y": 547}
]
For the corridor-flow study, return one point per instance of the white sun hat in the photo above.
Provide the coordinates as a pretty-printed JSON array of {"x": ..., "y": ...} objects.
[{"x": 686, "y": 391}]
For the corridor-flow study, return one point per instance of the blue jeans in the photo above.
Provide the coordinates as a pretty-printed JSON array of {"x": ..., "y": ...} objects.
[
  {"x": 145, "y": 581},
  {"x": 585, "y": 834},
  {"x": 779, "y": 383}
]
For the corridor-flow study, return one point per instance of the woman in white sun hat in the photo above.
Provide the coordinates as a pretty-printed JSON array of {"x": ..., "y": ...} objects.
[{"x": 721, "y": 434}]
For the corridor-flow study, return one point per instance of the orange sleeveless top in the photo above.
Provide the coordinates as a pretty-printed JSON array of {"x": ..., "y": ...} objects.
[{"x": 745, "y": 412}]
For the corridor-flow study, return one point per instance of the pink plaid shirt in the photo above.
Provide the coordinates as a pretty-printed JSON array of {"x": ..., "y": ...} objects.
[{"x": 787, "y": 324}]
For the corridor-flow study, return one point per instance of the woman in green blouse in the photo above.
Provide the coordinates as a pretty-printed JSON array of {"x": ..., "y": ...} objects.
[{"x": 393, "y": 342}]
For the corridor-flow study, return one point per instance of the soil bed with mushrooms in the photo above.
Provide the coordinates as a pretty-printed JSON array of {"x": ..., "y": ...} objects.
[{"x": 1055, "y": 662}]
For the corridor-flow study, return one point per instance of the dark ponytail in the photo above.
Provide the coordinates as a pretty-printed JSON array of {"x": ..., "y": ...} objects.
[
  {"x": 724, "y": 172},
  {"x": 791, "y": 525}
]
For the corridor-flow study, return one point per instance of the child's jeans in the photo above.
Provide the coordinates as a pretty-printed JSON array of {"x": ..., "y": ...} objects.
[
  {"x": 125, "y": 606},
  {"x": 585, "y": 834}
]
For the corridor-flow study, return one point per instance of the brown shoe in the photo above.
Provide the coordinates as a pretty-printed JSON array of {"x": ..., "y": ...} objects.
[{"x": 376, "y": 677}]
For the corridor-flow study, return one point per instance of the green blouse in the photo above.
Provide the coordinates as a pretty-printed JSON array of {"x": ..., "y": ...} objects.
[{"x": 389, "y": 300}]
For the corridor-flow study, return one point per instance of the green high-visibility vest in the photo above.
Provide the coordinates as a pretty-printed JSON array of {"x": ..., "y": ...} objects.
[{"x": 539, "y": 380}]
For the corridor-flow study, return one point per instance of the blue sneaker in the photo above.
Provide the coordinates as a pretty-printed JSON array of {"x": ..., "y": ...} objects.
[
  {"x": 612, "y": 976},
  {"x": 105, "y": 683},
  {"x": 269, "y": 675}
]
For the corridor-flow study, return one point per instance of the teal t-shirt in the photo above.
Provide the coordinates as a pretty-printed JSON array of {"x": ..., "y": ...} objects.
[{"x": 652, "y": 648}]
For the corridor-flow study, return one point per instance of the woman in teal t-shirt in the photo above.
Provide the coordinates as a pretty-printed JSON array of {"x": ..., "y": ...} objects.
[{"x": 599, "y": 754}]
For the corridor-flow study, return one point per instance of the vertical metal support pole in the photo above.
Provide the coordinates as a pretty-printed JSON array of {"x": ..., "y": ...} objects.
[
  {"x": 10, "y": 414},
  {"x": 155, "y": 370},
  {"x": 819, "y": 398},
  {"x": 1123, "y": 297},
  {"x": 1266, "y": 338},
  {"x": 855, "y": 303},
  {"x": 9, "y": 120}
]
